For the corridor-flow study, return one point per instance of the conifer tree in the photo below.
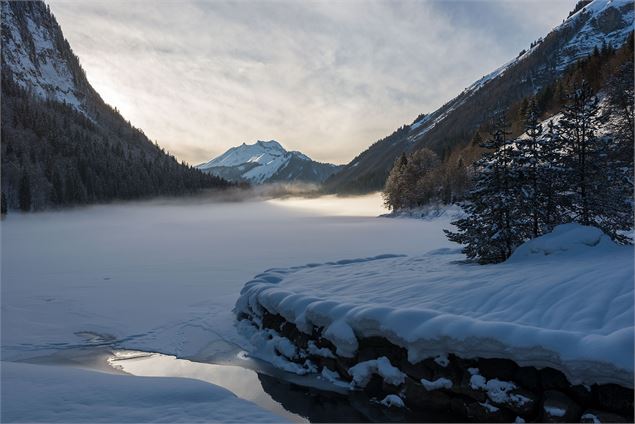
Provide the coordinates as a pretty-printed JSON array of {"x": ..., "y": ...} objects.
[
  {"x": 3, "y": 204},
  {"x": 599, "y": 194},
  {"x": 551, "y": 179},
  {"x": 488, "y": 231},
  {"x": 25, "y": 192},
  {"x": 526, "y": 161},
  {"x": 394, "y": 189},
  {"x": 583, "y": 152}
]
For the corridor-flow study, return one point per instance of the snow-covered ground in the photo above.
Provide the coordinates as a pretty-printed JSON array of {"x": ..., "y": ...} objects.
[
  {"x": 39, "y": 393},
  {"x": 161, "y": 277},
  {"x": 563, "y": 300}
]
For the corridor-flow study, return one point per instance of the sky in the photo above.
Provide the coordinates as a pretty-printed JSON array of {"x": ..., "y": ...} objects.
[{"x": 328, "y": 78}]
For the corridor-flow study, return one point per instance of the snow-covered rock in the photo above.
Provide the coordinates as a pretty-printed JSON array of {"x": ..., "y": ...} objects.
[
  {"x": 600, "y": 22},
  {"x": 564, "y": 300},
  {"x": 267, "y": 161},
  {"x": 35, "y": 52}
]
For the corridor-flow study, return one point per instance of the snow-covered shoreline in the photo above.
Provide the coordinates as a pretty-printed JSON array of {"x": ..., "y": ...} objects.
[{"x": 563, "y": 301}]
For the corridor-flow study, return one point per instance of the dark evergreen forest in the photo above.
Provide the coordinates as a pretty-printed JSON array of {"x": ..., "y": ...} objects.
[{"x": 53, "y": 155}]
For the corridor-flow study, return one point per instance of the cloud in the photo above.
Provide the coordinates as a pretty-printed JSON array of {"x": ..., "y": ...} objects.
[{"x": 327, "y": 78}]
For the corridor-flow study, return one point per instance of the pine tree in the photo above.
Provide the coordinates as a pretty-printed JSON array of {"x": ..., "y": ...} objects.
[
  {"x": 488, "y": 231},
  {"x": 25, "y": 192},
  {"x": 419, "y": 187},
  {"x": 3, "y": 204},
  {"x": 583, "y": 153},
  {"x": 600, "y": 194},
  {"x": 394, "y": 188},
  {"x": 622, "y": 110},
  {"x": 526, "y": 162},
  {"x": 551, "y": 179}
]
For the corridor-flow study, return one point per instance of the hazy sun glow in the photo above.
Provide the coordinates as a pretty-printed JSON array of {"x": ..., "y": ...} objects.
[
  {"x": 363, "y": 206},
  {"x": 325, "y": 78}
]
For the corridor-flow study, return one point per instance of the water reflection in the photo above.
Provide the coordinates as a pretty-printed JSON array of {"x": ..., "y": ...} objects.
[
  {"x": 299, "y": 399},
  {"x": 243, "y": 382}
]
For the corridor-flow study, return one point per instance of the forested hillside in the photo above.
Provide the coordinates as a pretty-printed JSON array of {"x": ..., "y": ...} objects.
[
  {"x": 423, "y": 176},
  {"x": 61, "y": 144},
  {"x": 452, "y": 126}
]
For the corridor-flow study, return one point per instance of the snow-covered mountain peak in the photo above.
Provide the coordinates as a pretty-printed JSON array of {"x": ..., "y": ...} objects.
[
  {"x": 264, "y": 160},
  {"x": 261, "y": 152},
  {"x": 271, "y": 144}
]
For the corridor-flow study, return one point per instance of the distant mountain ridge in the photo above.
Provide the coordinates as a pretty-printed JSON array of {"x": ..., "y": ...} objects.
[
  {"x": 266, "y": 162},
  {"x": 454, "y": 123}
]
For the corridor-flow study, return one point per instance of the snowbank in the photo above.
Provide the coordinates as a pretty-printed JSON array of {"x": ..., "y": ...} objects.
[
  {"x": 564, "y": 300},
  {"x": 33, "y": 393}
]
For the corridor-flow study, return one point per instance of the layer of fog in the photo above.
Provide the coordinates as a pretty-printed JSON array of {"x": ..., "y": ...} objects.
[{"x": 163, "y": 276}]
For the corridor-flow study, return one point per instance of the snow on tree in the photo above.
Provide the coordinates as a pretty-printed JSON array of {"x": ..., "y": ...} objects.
[
  {"x": 527, "y": 163},
  {"x": 599, "y": 195},
  {"x": 490, "y": 230},
  {"x": 551, "y": 182}
]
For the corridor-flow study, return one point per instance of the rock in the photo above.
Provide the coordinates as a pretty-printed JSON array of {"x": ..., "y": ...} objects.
[
  {"x": 502, "y": 369},
  {"x": 273, "y": 321},
  {"x": 417, "y": 397},
  {"x": 614, "y": 398},
  {"x": 242, "y": 315},
  {"x": 417, "y": 371},
  {"x": 485, "y": 412},
  {"x": 325, "y": 362},
  {"x": 375, "y": 347},
  {"x": 595, "y": 416},
  {"x": 431, "y": 370},
  {"x": 552, "y": 379},
  {"x": 322, "y": 342},
  {"x": 390, "y": 389},
  {"x": 522, "y": 402},
  {"x": 374, "y": 386},
  {"x": 528, "y": 378},
  {"x": 557, "y": 408},
  {"x": 341, "y": 366},
  {"x": 581, "y": 394},
  {"x": 463, "y": 387},
  {"x": 291, "y": 332},
  {"x": 458, "y": 405}
]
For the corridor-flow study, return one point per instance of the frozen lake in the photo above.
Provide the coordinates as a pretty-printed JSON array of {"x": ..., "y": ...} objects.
[{"x": 163, "y": 276}]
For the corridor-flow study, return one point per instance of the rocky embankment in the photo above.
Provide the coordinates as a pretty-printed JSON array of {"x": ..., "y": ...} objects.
[{"x": 479, "y": 389}]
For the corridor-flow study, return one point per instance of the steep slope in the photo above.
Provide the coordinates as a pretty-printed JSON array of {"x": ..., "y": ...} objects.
[
  {"x": 592, "y": 24},
  {"x": 61, "y": 144},
  {"x": 267, "y": 161}
]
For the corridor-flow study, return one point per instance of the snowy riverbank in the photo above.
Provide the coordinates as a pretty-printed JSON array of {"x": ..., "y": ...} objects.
[{"x": 564, "y": 302}]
